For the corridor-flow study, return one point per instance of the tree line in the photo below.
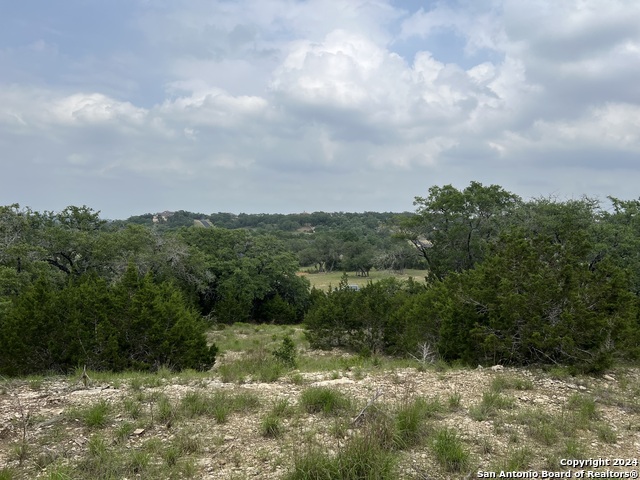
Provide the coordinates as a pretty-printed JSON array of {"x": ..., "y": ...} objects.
[
  {"x": 516, "y": 282},
  {"x": 509, "y": 281}
]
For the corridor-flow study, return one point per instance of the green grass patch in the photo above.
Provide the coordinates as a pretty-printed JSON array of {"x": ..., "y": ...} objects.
[
  {"x": 271, "y": 426},
  {"x": 360, "y": 458},
  {"x": 218, "y": 405},
  {"x": 510, "y": 382},
  {"x": 324, "y": 400},
  {"x": 449, "y": 450},
  {"x": 491, "y": 403},
  {"x": 541, "y": 426},
  {"x": 323, "y": 281},
  {"x": 92, "y": 416},
  {"x": 584, "y": 408}
]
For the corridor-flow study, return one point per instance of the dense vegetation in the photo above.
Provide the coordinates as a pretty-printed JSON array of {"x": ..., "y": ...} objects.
[{"x": 510, "y": 281}]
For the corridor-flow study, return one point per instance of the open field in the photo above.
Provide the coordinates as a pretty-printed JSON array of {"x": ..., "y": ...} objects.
[
  {"x": 303, "y": 414},
  {"x": 324, "y": 280}
]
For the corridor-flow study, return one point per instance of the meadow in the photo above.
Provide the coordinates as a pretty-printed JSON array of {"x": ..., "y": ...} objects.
[{"x": 325, "y": 280}]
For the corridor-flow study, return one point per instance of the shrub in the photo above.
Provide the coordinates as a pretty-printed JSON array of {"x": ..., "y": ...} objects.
[
  {"x": 136, "y": 324},
  {"x": 286, "y": 352}
]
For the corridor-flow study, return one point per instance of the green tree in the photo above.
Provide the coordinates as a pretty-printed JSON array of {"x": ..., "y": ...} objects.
[
  {"x": 453, "y": 228},
  {"x": 137, "y": 324},
  {"x": 535, "y": 300}
]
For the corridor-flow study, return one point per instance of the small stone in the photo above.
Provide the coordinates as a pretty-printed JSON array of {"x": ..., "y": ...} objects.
[
  {"x": 497, "y": 368},
  {"x": 609, "y": 378},
  {"x": 138, "y": 431}
]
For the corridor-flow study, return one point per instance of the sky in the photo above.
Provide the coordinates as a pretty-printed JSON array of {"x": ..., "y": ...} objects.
[{"x": 284, "y": 106}]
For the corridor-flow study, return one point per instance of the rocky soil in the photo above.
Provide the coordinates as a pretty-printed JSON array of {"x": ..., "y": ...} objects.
[{"x": 36, "y": 412}]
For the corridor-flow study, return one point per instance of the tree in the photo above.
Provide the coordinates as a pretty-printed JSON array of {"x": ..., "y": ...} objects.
[
  {"x": 453, "y": 228},
  {"x": 135, "y": 324},
  {"x": 535, "y": 300}
]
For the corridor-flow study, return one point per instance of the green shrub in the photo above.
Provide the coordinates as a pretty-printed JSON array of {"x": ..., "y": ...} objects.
[
  {"x": 286, "y": 353},
  {"x": 137, "y": 323}
]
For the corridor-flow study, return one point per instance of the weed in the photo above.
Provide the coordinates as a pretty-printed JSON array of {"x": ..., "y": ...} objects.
[
  {"x": 20, "y": 451},
  {"x": 296, "y": 379},
  {"x": 166, "y": 410},
  {"x": 188, "y": 443},
  {"x": 325, "y": 400},
  {"x": 281, "y": 407},
  {"x": 257, "y": 364},
  {"x": 518, "y": 459},
  {"x": 137, "y": 462},
  {"x": 59, "y": 472},
  {"x": 136, "y": 383},
  {"x": 584, "y": 408},
  {"x": 559, "y": 372},
  {"x": 96, "y": 416},
  {"x": 35, "y": 382},
  {"x": 359, "y": 458},
  {"x": 171, "y": 455},
  {"x": 124, "y": 431},
  {"x": 573, "y": 448},
  {"x": 96, "y": 446},
  {"x": 489, "y": 406},
  {"x": 449, "y": 450},
  {"x": 7, "y": 473},
  {"x": 453, "y": 401},
  {"x": 540, "y": 425},
  {"x": 133, "y": 408},
  {"x": 46, "y": 458},
  {"x": 510, "y": 382},
  {"x": 605, "y": 433},
  {"x": 219, "y": 406},
  {"x": 271, "y": 426}
]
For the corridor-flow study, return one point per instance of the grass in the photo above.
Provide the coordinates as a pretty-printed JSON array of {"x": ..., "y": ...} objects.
[
  {"x": 362, "y": 457},
  {"x": 410, "y": 428},
  {"x": 303, "y": 431},
  {"x": 324, "y": 400},
  {"x": 218, "y": 405},
  {"x": 92, "y": 416},
  {"x": 258, "y": 365},
  {"x": 271, "y": 426},
  {"x": 323, "y": 281},
  {"x": 449, "y": 450},
  {"x": 541, "y": 426},
  {"x": 491, "y": 403},
  {"x": 585, "y": 409},
  {"x": 510, "y": 382}
]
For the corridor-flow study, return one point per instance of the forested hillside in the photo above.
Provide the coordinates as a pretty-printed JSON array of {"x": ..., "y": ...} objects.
[{"x": 510, "y": 281}]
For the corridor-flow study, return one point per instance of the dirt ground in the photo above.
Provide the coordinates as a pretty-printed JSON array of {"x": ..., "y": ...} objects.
[{"x": 35, "y": 412}]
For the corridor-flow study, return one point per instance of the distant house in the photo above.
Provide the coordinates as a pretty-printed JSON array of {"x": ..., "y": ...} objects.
[
  {"x": 306, "y": 228},
  {"x": 162, "y": 217}
]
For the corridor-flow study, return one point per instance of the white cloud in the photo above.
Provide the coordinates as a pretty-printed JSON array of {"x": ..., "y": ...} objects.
[
  {"x": 94, "y": 108},
  {"x": 314, "y": 98}
]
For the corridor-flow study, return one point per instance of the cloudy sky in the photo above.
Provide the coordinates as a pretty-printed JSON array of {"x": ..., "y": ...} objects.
[{"x": 134, "y": 106}]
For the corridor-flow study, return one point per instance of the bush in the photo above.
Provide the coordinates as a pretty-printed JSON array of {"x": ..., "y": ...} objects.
[{"x": 135, "y": 324}]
